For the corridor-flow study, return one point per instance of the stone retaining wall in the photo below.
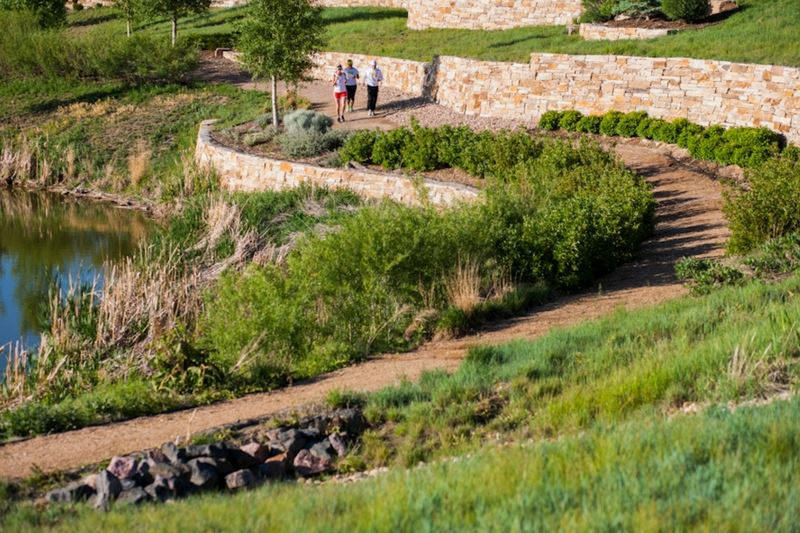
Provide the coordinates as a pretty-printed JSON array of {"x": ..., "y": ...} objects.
[
  {"x": 240, "y": 171},
  {"x": 601, "y": 32},
  {"x": 704, "y": 91},
  {"x": 490, "y": 14}
]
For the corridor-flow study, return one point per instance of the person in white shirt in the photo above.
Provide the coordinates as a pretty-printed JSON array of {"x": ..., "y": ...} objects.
[
  {"x": 352, "y": 84},
  {"x": 339, "y": 82},
  {"x": 373, "y": 79}
]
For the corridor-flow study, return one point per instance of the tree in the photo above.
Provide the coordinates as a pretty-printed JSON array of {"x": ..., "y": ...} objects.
[
  {"x": 129, "y": 9},
  {"x": 174, "y": 9},
  {"x": 277, "y": 39}
]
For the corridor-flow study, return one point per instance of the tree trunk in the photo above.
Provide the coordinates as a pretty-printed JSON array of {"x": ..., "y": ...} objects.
[
  {"x": 128, "y": 27},
  {"x": 275, "y": 103},
  {"x": 174, "y": 30}
]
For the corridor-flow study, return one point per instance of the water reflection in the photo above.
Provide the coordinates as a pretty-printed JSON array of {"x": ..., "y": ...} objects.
[{"x": 43, "y": 236}]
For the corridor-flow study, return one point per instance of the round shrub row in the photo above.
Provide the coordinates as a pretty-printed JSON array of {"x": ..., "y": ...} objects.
[{"x": 743, "y": 146}]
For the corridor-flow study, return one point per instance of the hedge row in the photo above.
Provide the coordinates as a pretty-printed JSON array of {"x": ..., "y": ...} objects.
[{"x": 746, "y": 147}]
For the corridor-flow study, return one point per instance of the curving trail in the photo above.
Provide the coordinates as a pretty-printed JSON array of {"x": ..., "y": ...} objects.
[{"x": 689, "y": 223}]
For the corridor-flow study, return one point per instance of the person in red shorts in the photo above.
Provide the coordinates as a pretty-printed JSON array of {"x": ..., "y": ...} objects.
[{"x": 340, "y": 92}]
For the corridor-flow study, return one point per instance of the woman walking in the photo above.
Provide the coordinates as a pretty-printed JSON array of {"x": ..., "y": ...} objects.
[
  {"x": 352, "y": 84},
  {"x": 372, "y": 80},
  {"x": 339, "y": 92}
]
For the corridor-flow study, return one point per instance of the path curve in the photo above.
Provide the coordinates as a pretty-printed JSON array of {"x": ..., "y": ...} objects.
[{"x": 689, "y": 223}]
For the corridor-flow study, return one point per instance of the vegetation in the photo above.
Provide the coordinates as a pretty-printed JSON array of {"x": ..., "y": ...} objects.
[
  {"x": 686, "y": 10},
  {"x": 173, "y": 10},
  {"x": 46, "y": 13},
  {"x": 277, "y": 39},
  {"x": 746, "y": 147}
]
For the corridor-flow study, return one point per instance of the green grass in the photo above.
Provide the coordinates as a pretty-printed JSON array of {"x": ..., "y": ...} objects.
[
  {"x": 735, "y": 471},
  {"x": 764, "y": 31}
]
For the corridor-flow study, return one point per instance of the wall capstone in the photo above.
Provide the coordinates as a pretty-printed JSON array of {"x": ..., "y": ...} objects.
[{"x": 239, "y": 171}]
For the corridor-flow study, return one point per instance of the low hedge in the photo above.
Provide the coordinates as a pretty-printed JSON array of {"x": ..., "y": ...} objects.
[{"x": 743, "y": 146}]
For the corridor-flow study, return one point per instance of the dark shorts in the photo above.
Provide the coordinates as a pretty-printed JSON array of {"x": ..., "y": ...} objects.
[{"x": 351, "y": 91}]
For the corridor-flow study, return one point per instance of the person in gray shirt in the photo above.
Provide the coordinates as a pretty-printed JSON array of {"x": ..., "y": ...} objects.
[{"x": 352, "y": 84}]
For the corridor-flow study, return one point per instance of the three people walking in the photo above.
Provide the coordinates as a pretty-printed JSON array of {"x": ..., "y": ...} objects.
[{"x": 345, "y": 85}]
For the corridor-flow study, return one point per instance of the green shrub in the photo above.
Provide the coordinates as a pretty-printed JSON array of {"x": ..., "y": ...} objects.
[
  {"x": 299, "y": 143},
  {"x": 687, "y": 133},
  {"x": 589, "y": 124},
  {"x": 307, "y": 121},
  {"x": 358, "y": 147},
  {"x": 704, "y": 144},
  {"x": 628, "y": 124},
  {"x": 455, "y": 142},
  {"x": 422, "y": 152},
  {"x": 388, "y": 148},
  {"x": 569, "y": 120},
  {"x": 598, "y": 10},
  {"x": 767, "y": 208},
  {"x": 550, "y": 120},
  {"x": 747, "y": 147},
  {"x": 608, "y": 126},
  {"x": 688, "y": 10},
  {"x": 704, "y": 275},
  {"x": 48, "y": 13}
]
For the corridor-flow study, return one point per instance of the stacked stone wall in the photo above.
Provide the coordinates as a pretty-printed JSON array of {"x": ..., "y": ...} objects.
[
  {"x": 703, "y": 91},
  {"x": 239, "y": 171},
  {"x": 601, "y": 32},
  {"x": 490, "y": 14}
]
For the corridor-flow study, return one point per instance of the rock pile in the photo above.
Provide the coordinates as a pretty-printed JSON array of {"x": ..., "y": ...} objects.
[{"x": 305, "y": 449}]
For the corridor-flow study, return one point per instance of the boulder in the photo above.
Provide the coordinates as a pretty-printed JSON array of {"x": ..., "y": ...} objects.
[
  {"x": 169, "y": 471},
  {"x": 215, "y": 451},
  {"x": 173, "y": 453},
  {"x": 160, "y": 490},
  {"x": 323, "y": 450},
  {"x": 77, "y": 491},
  {"x": 108, "y": 488},
  {"x": 275, "y": 467},
  {"x": 123, "y": 467},
  {"x": 338, "y": 444},
  {"x": 133, "y": 496},
  {"x": 204, "y": 473},
  {"x": 290, "y": 441},
  {"x": 249, "y": 455},
  {"x": 306, "y": 464},
  {"x": 241, "y": 479}
]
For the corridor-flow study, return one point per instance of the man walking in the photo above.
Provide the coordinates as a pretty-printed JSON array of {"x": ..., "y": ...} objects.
[
  {"x": 372, "y": 80},
  {"x": 352, "y": 84}
]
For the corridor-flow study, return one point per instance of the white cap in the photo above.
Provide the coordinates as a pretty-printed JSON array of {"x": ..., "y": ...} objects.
[{"x": 374, "y": 63}]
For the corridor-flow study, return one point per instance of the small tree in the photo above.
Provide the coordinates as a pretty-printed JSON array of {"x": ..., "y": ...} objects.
[
  {"x": 277, "y": 39},
  {"x": 175, "y": 9},
  {"x": 129, "y": 9}
]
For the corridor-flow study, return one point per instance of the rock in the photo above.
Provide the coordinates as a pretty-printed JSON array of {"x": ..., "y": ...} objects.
[
  {"x": 173, "y": 453},
  {"x": 241, "y": 479},
  {"x": 134, "y": 496},
  {"x": 169, "y": 471},
  {"x": 225, "y": 467},
  {"x": 160, "y": 490},
  {"x": 204, "y": 473},
  {"x": 338, "y": 444},
  {"x": 275, "y": 467},
  {"x": 215, "y": 451},
  {"x": 123, "y": 467},
  {"x": 108, "y": 488},
  {"x": 721, "y": 6},
  {"x": 127, "y": 484},
  {"x": 350, "y": 421},
  {"x": 323, "y": 450},
  {"x": 142, "y": 476},
  {"x": 77, "y": 491},
  {"x": 310, "y": 434},
  {"x": 290, "y": 441},
  {"x": 306, "y": 464},
  {"x": 91, "y": 480}
]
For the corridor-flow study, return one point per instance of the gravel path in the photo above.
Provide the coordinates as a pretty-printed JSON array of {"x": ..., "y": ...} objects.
[{"x": 689, "y": 223}]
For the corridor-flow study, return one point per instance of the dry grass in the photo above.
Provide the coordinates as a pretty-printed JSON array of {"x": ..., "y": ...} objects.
[
  {"x": 463, "y": 287},
  {"x": 139, "y": 162}
]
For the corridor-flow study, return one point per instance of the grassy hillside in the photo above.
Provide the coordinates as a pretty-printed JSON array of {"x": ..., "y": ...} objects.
[{"x": 763, "y": 31}]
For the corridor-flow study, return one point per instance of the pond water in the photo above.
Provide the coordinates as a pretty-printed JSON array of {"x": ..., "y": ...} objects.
[{"x": 46, "y": 237}]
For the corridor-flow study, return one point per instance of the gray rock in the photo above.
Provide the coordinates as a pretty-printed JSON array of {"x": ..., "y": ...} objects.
[
  {"x": 275, "y": 467},
  {"x": 169, "y": 471},
  {"x": 108, "y": 488},
  {"x": 338, "y": 444},
  {"x": 123, "y": 467},
  {"x": 323, "y": 450},
  {"x": 173, "y": 453},
  {"x": 306, "y": 464},
  {"x": 134, "y": 496},
  {"x": 350, "y": 421},
  {"x": 77, "y": 491},
  {"x": 241, "y": 479},
  {"x": 204, "y": 473},
  {"x": 291, "y": 441},
  {"x": 160, "y": 490},
  {"x": 215, "y": 451}
]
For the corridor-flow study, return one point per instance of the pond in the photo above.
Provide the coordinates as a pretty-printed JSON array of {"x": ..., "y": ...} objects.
[{"x": 46, "y": 238}]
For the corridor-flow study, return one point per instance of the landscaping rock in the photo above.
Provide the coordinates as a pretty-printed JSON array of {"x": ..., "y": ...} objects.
[
  {"x": 323, "y": 450},
  {"x": 215, "y": 451},
  {"x": 241, "y": 479},
  {"x": 77, "y": 491},
  {"x": 306, "y": 464},
  {"x": 134, "y": 496},
  {"x": 160, "y": 490},
  {"x": 351, "y": 421},
  {"x": 169, "y": 471},
  {"x": 249, "y": 455},
  {"x": 204, "y": 473},
  {"x": 173, "y": 453},
  {"x": 123, "y": 467},
  {"x": 290, "y": 441},
  {"x": 275, "y": 467},
  {"x": 338, "y": 444},
  {"x": 108, "y": 488}
]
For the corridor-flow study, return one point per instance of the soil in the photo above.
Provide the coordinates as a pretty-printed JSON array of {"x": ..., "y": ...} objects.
[{"x": 689, "y": 223}]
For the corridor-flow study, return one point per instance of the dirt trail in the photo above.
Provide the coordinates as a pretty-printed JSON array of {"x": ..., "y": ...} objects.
[{"x": 689, "y": 223}]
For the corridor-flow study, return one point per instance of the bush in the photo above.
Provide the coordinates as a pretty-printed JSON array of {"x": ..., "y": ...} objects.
[
  {"x": 628, "y": 124},
  {"x": 48, "y": 13},
  {"x": 598, "y": 10},
  {"x": 306, "y": 121},
  {"x": 455, "y": 142},
  {"x": 300, "y": 144},
  {"x": 359, "y": 147},
  {"x": 767, "y": 209},
  {"x": 688, "y": 10},
  {"x": 608, "y": 126},
  {"x": 550, "y": 120},
  {"x": 747, "y": 147},
  {"x": 704, "y": 275},
  {"x": 389, "y": 147},
  {"x": 422, "y": 152},
  {"x": 589, "y": 124},
  {"x": 704, "y": 145},
  {"x": 569, "y": 120}
]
